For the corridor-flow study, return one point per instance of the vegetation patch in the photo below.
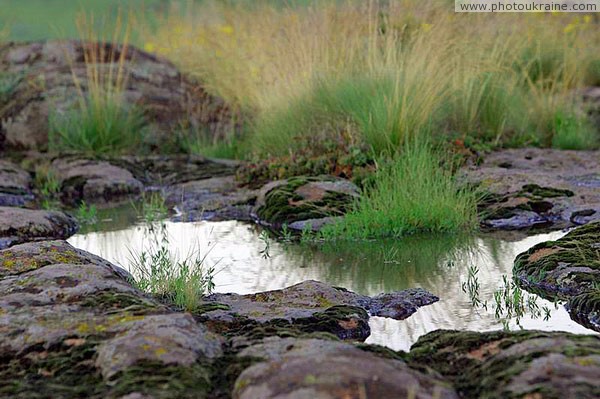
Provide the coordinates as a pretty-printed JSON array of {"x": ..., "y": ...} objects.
[{"x": 412, "y": 193}]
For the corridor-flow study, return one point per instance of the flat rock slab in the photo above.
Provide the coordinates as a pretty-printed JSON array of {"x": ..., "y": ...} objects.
[
  {"x": 566, "y": 269},
  {"x": 521, "y": 364},
  {"x": 312, "y": 368},
  {"x": 287, "y": 202},
  {"x": 533, "y": 187},
  {"x": 216, "y": 198},
  {"x": 18, "y": 225},
  {"x": 71, "y": 325},
  {"x": 95, "y": 182},
  {"x": 168, "y": 170},
  {"x": 15, "y": 185},
  {"x": 316, "y": 306}
]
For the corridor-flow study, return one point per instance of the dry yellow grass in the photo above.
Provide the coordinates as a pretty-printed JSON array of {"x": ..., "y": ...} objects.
[{"x": 476, "y": 67}]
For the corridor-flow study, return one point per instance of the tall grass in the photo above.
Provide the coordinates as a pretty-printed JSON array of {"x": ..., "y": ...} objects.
[
  {"x": 386, "y": 69},
  {"x": 413, "y": 192},
  {"x": 102, "y": 121}
]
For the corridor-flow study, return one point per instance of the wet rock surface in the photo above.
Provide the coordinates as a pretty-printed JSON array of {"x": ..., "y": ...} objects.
[
  {"x": 304, "y": 198},
  {"x": 41, "y": 82},
  {"x": 15, "y": 185},
  {"x": 71, "y": 325},
  {"x": 95, "y": 182},
  {"x": 216, "y": 198},
  {"x": 521, "y": 364},
  {"x": 538, "y": 188},
  {"x": 566, "y": 269},
  {"x": 312, "y": 368},
  {"x": 313, "y": 306},
  {"x": 18, "y": 225}
]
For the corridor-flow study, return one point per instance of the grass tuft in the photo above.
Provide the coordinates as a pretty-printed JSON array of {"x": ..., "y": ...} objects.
[
  {"x": 160, "y": 272},
  {"x": 412, "y": 193},
  {"x": 102, "y": 121}
]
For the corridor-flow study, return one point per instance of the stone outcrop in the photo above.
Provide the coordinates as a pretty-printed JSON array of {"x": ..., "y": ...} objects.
[
  {"x": 538, "y": 188},
  {"x": 300, "y": 199},
  {"x": 95, "y": 182},
  {"x": 72, "y": 325},
  {"x": 312, "y": 368},
  {"x": 40, "y": 76},
  {"x": 566, "y": 269},
  {"x": 18, "y": 225},
  {"x": 312, "y": 306},
  {"x": 521, "y": 364},
  {"x": 15, "y": 185}
]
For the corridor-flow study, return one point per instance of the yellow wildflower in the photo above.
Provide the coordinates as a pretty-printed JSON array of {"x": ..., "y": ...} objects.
[
  {"x": 149, "y": 47},
  {"x": 227, "y": 29}
]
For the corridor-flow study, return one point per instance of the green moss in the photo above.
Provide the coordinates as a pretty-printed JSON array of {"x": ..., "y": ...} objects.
[
  {"x": 545, "y": 192},
  {"x": 578, "y": 249},
  {"x": 585, "y": 309},
  {"x": 61, "y": 371},
  {"x": 284, "y": 205},
  {"x": 164, "y": 381},
  {"x": 468, "y": 359},
  {"x": 112, "y": 302}
]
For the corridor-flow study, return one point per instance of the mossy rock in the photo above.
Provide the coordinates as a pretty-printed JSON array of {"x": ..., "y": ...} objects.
[
  {"x": 562, "y": 268},
  {"x": 566, "y": 269},
  {"x": 521, "y": 364},
  {"x": 302, "y": 198}
]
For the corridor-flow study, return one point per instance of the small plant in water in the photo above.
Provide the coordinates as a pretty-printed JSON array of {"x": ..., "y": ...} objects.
[
  {"x": 510, "y": 302},
  {"x": 471, "y": 287},
  {"x": 87, "y": 214},
  {"x": 286, "y": 234},
  {"x": 264, "y": 237},
  {"x": 307, "y": 234},
  {"x": 152, "y": 209},
  {"x": 160, "y": 272}
]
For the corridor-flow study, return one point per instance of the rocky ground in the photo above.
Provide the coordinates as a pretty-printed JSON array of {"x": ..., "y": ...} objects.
[
  {"x": 72, "y": 325},
  {"x": 533, "y": 188}
]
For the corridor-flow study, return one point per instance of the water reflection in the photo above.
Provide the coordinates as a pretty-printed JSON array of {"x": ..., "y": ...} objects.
[{"x": 438, "y": 264}]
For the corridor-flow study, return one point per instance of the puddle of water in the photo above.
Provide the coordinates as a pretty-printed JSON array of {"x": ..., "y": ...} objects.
[{"x": 438, "y": 264}]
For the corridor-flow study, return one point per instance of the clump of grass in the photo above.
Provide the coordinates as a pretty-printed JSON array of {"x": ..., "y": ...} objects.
[
  {"x": 101, "y": 121},
  {"x": 87, "y": 214},
  {"x": 160, "y": 272},
  {"x": 49, "y": 188},
  {"x": 412, "y": 193},
  {"x": 99, "y": 126},
  {"x": 570, "y": 132},
  {"x": 198, "y": 142}
]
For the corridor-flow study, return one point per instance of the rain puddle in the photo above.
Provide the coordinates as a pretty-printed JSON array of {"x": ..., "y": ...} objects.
[{"x": 439, "y": 264}]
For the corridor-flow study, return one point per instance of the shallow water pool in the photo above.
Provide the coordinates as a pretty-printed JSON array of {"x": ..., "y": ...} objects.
[{"x": 438, "y": 264}]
